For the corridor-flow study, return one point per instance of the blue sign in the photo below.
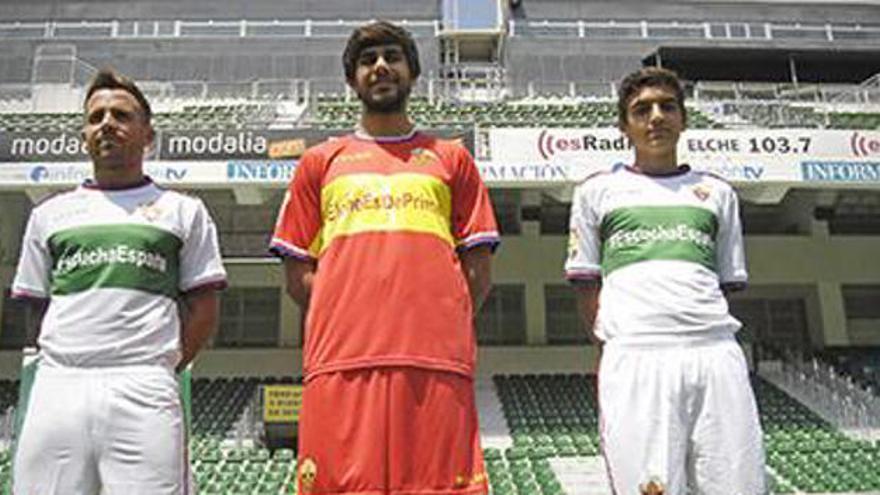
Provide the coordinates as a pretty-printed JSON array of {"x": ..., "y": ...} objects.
[
  {"x": 841, "y": 171},
  {"x": 261, "y": 171},
  {"x": 39, "y": 173},
  {"x": 166, "y": 173},
  {"x": 63, "y": 174}
]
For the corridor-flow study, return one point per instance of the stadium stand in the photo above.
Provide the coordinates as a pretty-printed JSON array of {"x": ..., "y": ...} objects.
[
  {"x": 861, "y": 365},
  {"x": 338, "y": 112},
  {"x": 194, "y": 117},
  {"x": 556, "y": 415},
  {"x": 859, "y": 120},
  {"x": 808, "y": 453}
]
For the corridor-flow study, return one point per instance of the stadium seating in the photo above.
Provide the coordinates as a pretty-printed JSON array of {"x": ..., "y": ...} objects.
[
  {"x": 860, "y": 120},
  {"x": 5, "y": 468},
  {"x": 8, "y": 394},
  {"x": 773, "y": 114},
  {"x": 337, "y": 112},
  {"x": 192, "y": 117},
  {"x": 219, "y": 470},
  {"x": 548, "y": 416},
  {"x": 860, "y": 365},
  {"x": 218, "y": 403},
  {"x": 245, "y": 472},
  {"x": 556, "y": 415},
  {"x": 810, "y": 454}
]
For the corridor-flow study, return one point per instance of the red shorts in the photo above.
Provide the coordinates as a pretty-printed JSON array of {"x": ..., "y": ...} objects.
[{"x": 390, "y": 431}]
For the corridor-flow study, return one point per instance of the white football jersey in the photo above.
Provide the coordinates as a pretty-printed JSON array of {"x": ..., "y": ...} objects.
[
  {"x": 662, "y": 246},
  {"x": 112, "y": 264}
]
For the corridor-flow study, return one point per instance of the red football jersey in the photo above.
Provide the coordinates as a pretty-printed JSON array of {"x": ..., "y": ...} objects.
[{"x": 384, "y": 219}]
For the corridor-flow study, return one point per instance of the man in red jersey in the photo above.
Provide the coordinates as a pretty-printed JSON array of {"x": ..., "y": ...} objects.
[{"x": 387, "y": 236}]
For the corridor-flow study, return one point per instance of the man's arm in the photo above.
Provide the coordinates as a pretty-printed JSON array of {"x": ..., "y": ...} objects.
[
  {"x": 588, "y": 306},
  {"x": 477, "y": 266},
  {"x": 200, "y": 324},
  {"x": 37, "y": 310},
  {"x": 299, "y": 275}
]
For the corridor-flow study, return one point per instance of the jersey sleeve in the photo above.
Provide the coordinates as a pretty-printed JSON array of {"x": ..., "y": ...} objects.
[
  {"x": 473, "y": 220},
  {"x": 201, "y": 265},
  {"x": 730, "y": 254},
  {"x": 33, "y": 277},
  {"x": 298, "y": 226},
  {"x": 583, "y": 264}
]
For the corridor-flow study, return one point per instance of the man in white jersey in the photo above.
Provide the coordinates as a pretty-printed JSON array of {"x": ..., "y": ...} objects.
[
  {"x": 654, "y": 247},
  {"x": 113, "y": 257}
]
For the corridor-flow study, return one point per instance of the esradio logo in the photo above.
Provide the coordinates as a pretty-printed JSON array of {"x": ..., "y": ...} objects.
[
  {"x": 548, "y": 144},
  {"x": 863, "y": 145}
]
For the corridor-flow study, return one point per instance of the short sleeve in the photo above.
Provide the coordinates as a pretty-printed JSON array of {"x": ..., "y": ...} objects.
[
  {"x": 298, "y": 227},
  {"x": 583, "y": 263},
  {"x": 33, "y": 274},
  {"x": 201, "y": 265},
  {"x": 473, "y": 220},
  {"x": 730, "y": 254}
]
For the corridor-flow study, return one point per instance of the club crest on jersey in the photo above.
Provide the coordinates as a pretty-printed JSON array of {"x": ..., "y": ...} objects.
[
  {"x": 463, "y": 480},
  {"x": 150, "y": 211},
  {"x": 652, "y": 487},
  {"x": 421, "y": 157},
  {"x": 308, "y": 473},
  {"x": 702, "y": 191}
]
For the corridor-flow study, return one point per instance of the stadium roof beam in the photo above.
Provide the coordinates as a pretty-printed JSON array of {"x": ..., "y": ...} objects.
[
  {"x": 561, "y": 193},
  {"x": 249, "y": 195},
  {"x": 768, "y": 64},
  {"x": 765, "y": 194},
  {"x": 37, "y": 194}
]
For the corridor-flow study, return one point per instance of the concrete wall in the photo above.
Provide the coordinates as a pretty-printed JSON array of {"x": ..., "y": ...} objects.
[
  {"x": 40, "y": 10},
  {"x": 697, "y": 10}
]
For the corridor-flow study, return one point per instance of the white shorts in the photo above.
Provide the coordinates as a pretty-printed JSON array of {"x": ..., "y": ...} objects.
[
  {"x": 114, "y": 431},
  {"x": 680, "y": 414}
]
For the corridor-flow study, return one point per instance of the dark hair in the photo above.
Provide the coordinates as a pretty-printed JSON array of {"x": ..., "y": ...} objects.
[
  {"x": 108, "y": 78},
  {"x": 379, "y": 33},
  {"x": 648, "y": 77}
]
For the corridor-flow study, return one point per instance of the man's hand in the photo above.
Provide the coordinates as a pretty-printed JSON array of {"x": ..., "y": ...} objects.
[
  {"x": 476, "y": 263},
  {"x": 200, "y": 323},
  {"x": 299, "y": 276}
]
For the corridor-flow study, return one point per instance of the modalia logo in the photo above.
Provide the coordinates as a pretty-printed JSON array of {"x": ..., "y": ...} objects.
[{"x": 864, "y": 145}]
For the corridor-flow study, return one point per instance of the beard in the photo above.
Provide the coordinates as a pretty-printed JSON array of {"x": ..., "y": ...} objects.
[{"x": 385, "y": 103}]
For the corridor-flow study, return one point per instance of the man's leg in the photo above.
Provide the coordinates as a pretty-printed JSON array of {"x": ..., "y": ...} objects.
[
  {"x": 728, "y": 455},
  {"x": 343, "y": 434},
  {"x": 54, "y": 453},
  {"x": 643, "y": 419},
  {"x": 143, "y": 434},
  {"x": 434, "y": 437}
]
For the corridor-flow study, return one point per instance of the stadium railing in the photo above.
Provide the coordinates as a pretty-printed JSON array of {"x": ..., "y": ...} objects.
[
  {"x": 305, "y": 28},
  {"x": 438, "y": 102},
  {"x": 707, "y": 30},
  {"x": 244, "y": 28}
]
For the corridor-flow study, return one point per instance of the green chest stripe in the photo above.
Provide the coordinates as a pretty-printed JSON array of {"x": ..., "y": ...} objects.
[
  {"x": 128, "y": 256},
  {"x": 644, "y": 233}
]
